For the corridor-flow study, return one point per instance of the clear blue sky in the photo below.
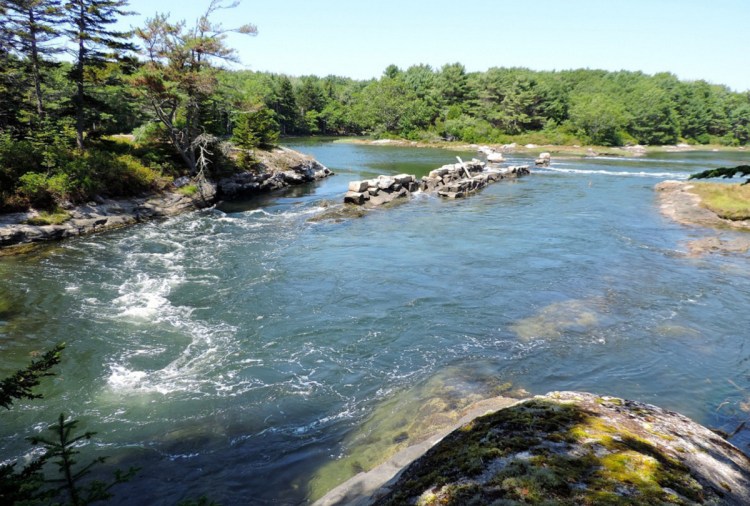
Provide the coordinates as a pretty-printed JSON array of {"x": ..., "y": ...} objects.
[{"x": 694, "y": 39}]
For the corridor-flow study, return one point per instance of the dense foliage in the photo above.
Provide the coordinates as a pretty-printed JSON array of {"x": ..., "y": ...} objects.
[
  {"x": 505, "y": 104},
  {"x": 59, "y": 117}
]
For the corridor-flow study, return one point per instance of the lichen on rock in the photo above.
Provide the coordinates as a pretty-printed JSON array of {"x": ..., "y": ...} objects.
[{"x": 576, "y": 448}]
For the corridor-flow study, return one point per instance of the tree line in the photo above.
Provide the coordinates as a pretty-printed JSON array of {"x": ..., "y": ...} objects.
[
  {"x": 505, "y": 104},
  {"x": 70, "y": 84}
]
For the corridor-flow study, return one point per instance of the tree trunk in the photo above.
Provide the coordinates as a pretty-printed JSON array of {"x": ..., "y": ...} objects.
[
  {"x": 79, "y": 97},
  {"x": 34, "y": 60}
]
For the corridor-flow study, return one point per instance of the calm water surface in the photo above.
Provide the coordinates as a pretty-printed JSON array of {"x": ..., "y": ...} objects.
[{"x": 234, "y": 352}]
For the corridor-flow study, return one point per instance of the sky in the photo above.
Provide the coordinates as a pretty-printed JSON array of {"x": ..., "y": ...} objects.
[{"x": 694, "y": 39}]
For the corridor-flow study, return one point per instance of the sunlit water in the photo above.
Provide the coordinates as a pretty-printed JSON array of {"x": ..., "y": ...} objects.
[{"x": 235, "y": 352}]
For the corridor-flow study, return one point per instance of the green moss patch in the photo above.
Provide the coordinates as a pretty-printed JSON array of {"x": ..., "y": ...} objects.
[
  {"x": 56, "y": 217},
  {"x": 545, "y": 451}
]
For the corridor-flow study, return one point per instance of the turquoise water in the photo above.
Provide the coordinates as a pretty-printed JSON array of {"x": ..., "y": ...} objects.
[{"x": 232, "y": 352}]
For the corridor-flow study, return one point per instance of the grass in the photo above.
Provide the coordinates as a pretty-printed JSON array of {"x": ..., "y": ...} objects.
[
  {"x": 188, "y": 190},
  {"x": 729, "y": 201},
  {"x": 56, "y": 217}
]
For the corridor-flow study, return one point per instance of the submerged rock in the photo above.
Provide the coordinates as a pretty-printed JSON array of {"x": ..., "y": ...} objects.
[{"x": 571, "y": 448}]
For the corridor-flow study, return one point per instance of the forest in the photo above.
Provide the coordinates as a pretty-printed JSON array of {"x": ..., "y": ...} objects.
[{"x": 86, "y": 110}]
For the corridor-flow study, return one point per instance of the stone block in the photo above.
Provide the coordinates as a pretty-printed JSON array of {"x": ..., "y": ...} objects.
[
  {"x": 385, "y": 183},
  {"x": 354, "y": 198},
  {"x": 403, "y": 178},
  {"x": 358, "y": 186}
]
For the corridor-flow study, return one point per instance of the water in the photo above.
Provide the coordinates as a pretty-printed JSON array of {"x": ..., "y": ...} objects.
[{"x": 237, "y": 352}]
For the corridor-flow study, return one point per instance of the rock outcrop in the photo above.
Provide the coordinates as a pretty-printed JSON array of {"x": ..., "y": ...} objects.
[
  {"x": 104, "y": 214},
  {"x": 276, "y": 169},
  {"x": 381, "y": 190},
  {"x": 450, "y": 181},
  {"x": 572, "y": 448}
]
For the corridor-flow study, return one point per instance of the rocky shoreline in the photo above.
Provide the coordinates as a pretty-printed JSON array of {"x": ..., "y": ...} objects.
[
  {"x": 275, "y": 170},
  {"x": 563, "y": 447},
  {"x": 678, "y": 203}
]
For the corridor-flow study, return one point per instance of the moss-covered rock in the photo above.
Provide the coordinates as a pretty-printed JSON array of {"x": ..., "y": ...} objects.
[{"x": 575, "y": 448}]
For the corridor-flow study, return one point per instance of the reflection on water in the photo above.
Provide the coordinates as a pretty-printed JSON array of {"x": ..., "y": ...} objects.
[{"x": 250, "y": 352}]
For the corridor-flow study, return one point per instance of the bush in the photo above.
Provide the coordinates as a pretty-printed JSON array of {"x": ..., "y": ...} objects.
[
  {"x": 470, "y": 129},
  {"x": 43, "y": 190},
  {"x": 149, "y": 133},
  {"x": 16, "y": 158},
  {"x": 188, "y": 190},
  {"x": 96, "y": 172}
]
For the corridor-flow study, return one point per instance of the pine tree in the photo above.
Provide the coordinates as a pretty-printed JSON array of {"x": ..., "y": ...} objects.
[
  {"x": 94, "y": 46},
  {"x": 179, "y": 76},
  {"x": 285, "y": 105},
  {"x": 31, "y": 26}
]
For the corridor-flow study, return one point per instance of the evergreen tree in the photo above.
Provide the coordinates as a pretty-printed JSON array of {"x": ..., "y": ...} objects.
[
  {"x": 285, "y": 105},
  {"x": 31, "y": 26},
  {"x": 95, "y": 44},
  {"x": 178, "y": 76}
]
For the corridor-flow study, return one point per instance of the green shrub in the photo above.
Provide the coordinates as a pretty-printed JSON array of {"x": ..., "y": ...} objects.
[
  {"x": 16, "y": 158},
  {"x": 470, "y": 129},
  {"x": 43, "y": 190},
  {"x": 188, "y": 190},
  {"x": 149, "y": 133},
  {"x": 96, "y": 172}
]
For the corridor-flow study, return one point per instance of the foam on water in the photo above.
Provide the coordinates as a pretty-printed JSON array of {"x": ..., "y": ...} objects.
[
  {"x": 649, "y": 174},
  {"x": 158, "y": 264},
  {"x": 144, "y": 297}
]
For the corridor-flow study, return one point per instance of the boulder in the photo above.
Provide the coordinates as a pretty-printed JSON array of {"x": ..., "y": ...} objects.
[
  {"x": 403, "y": 178},
  {"x": 358, "y": 186},
  {"x": 355, "y": 198},
  {"x": 295, "y": 177},
  {"x": 543, "y": 160},
  {"x": 495, "y": 158},
  {"x": 181, "y": 181},
  {"x": 573, "y": 448},
  {"x": 442, "y": 171},
  {"x": 385, "y": 182}
]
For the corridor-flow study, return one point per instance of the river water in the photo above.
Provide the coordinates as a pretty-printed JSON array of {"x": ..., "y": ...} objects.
[{"x": 239, "y": 352}]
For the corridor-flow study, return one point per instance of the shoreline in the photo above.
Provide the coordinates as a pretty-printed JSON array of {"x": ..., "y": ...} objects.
[
  {"x": 281, "y": 168},
  {"x": 678, "y": 203},
  {"x": 554, "y": 149}
]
